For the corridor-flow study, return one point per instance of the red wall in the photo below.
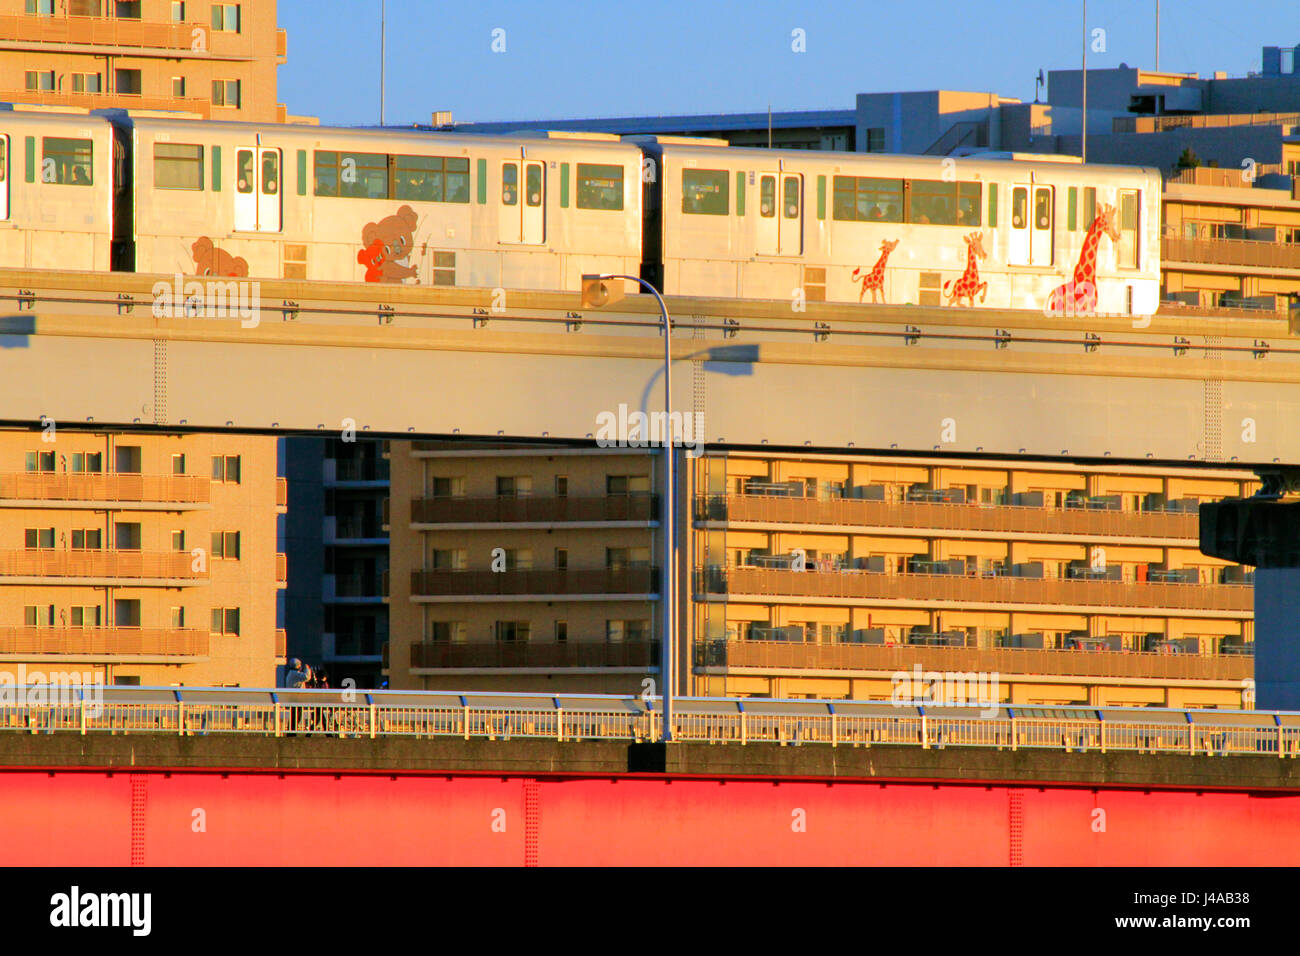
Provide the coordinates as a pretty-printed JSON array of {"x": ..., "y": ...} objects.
[{"x": 93, "y": 818}]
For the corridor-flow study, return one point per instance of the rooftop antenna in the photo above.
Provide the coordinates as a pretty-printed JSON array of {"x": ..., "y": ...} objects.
[
  {"x": 769, "y": 125},
  {"x": 383, "y": 57},
  {"x": 1157, "y": 36},
  {"x": 1038, "y": 84}
]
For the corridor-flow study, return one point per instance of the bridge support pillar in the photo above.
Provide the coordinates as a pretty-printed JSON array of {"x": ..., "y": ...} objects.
[{"x": 1265, "y": 532}]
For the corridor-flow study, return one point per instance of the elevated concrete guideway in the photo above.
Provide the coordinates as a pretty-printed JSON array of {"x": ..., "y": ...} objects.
[{"x": 82, "y": 347}]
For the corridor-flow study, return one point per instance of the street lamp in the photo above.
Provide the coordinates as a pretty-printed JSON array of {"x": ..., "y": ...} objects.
[{"x": 598, "y": 291}]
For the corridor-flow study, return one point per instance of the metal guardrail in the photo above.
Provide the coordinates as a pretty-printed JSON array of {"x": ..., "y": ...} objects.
[
  {"x": 1232, "y": 252},
  {"x": 104, "y": 486},
  {"x": 343, "y": 713}
]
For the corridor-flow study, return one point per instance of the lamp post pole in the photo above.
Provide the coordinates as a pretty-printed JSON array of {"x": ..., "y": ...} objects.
[{"x": 668, "y": 582}]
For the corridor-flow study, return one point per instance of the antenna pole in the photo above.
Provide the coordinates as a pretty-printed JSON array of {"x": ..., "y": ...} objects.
[
  {"x": 1085, "y": 81},
  {"x": 769, "y": 125},
  {"x": 1157, "y": 36},
  {"x": 383, "y": 57}
]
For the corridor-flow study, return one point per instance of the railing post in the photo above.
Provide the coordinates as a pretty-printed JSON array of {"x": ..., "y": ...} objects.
[
  {"x": 464, "y": 701},
  {"x": 83, "y": 714},
  {"x": 180, "y": 718},
  {"x": 925, "y": 734},
  {"x": 1015, "y": 734},
  {"x": 834, "y": 729},
  {"x": 278, "y": 725},
  {"x": 374, "y": 720}
]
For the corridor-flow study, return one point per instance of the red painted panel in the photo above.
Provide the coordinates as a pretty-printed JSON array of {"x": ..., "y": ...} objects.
[{"x": 251, "y": 819}]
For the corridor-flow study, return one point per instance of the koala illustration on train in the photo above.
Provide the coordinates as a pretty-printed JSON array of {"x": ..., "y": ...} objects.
[{"x": 388, "y": 245}]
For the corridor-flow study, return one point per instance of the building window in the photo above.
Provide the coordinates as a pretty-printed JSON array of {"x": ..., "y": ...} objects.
[
  {"x": 448, "y": 487},
  {"x": 87, "y": 539},
  {"x": 127, "y": 9},
  {"x": 178, "y": 86},
  {"x": 34, "y": 538},
  {"x": 875, "y": 139},
  {"x": 86, "y": 83},
  {"x": 68, "y": 162},
  {"x": 704, "y": 192},
  {"x": 128, "y": 459},
  {"x": 178, "y": 464},
  {"x": 561, "y": 486},
  {"x": 619, "y": 631},
  {"x": 627, "y": 484},
  {"x": 38, "y": 615},
  {"x": 448, "y": 559},
  {"x": 178, "y": 617},
  {"x": 126, "y": 613},
  {"x": 178, "y": 11},
  {"x": 178, "y": 540},
  {"x": 177, "y": 166},
  {"x": 225, "y": 620},
  {"x": 561, "y": 559},
  {"x": 619, "y": 559},
  {"x": 128, "y": 81},
  {"x": 40, "y": 79},
  {"x": 40, "y": 461},
  {"x": 85, "y": 8},
  {"x": 447, "y": 632},
  {"x": 225, "y": 468},
  {"x": 514, "y": 486},
  {"x": 225, "y": 17},
  {"x": 90, "y": 461},
  {"x": 126, "y": 536},
  {"x": 225, "y": 544},
  {"x": 512, "y": 631},
  {"x": 40, "y": 8},
  {"x": 86, "y": 616},
  {"x": 519, "y": 559},
  {"x": 225, "y": 93},
  {"x": 600, "y": 186},
  {"x": 561, "y": 632}
]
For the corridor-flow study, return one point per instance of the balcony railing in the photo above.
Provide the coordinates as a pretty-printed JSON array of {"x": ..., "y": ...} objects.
[
  {"x": 282, "y": 492},
  {"x": 791, "y": 655},
  {"x": 1159, "y": 124},
  {"x": 134, "y": 101},
  {"x": 1232, "y": 252},
  {"x": 439, "y": 654},
  {"x": 117, "y": 31},
  {"x": 546, "y": 509},
  {"x": 56, "y": 563},
  {"x": 358, "y": 469},
  {"x": 281, "y": 568},
  {"x": 868, "y": 586},
  {"x": 360, "y": 585},
  {"x": 595, "y": 581},
  {"x": 178, "y": 641},
  {"x": 95, "y": 486},
  {"x": 281, "y": 642},
  {"x": 1012, "y": 519},
  {"x": 357, "y": 529}
]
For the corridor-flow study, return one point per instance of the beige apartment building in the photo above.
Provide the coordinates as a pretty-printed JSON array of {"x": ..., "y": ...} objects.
[
  {"x": 141, "y": 558},
  {"x": 216, "y": 60},
  {"x": 813, "y": 576}
]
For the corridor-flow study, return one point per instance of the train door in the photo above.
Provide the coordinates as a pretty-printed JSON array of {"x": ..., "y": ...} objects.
[
  {"x": 257, "y": 190},
  {"x": 1018, "y": 247},
  {"x": 4, "y": 177},
  {"x": 523, "y": 201},
  {"x": 780, "y": 214},
  {"x": 1040, "y": 242}
]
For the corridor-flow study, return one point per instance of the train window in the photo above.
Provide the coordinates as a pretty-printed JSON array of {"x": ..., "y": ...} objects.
[
  {"x": 216, "y": 169},
  {"x": 1019, "y": 207},
  {"x": 1042, "y": 209},
  {"x": 863, "y": 199},
  {"x": 177, "y": 166},
  {"x": 1089, "y": 206},
  {"x": 740, "y": 193},
  {"x": 244, "y": 171},
  {"x": 1127, "y": 248},
  {"x": 767, "y": 197},
  {"x": 940, "y": 203},
  {"x": 790, "y": 201},
  {"x": 270, "y": 173},
  {"x": 67, "y": 161},
  {"x": 600, "y": 186},
  {"x": 704, "y": 192},
  {"x": 1072, "y": 211},
  {"x": 993, "y": 205},
  {"x": 4, "y": 158},
  {"x": 351, "y": 175},
  {"x": 510, "y": 184},
  {"x": 431, "y": 178},
  {"x": 533, "y": 197}
]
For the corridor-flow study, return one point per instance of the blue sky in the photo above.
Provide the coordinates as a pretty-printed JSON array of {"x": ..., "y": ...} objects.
[{"x": 568, "y": 58}]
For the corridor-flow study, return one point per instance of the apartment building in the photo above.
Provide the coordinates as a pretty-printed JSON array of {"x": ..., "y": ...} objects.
[
  {"x": 141, "y": 558},
  {"x": 824, "y": 576},
  {"x": 216, "y": 60},
  {"x": 522, "y": 568},
  {"x": 336, "y": 612}
]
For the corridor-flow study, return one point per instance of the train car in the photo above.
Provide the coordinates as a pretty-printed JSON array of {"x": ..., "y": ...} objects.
[
  {"x": 384, "y": 206},
  {"x": 57, "y": 189},
  {"x": 1043, "y": 233}
]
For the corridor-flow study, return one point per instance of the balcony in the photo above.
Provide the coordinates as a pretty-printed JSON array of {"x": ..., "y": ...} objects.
[
  {"x": 131, "y": 566},
  {"x": 100, "y": 487},
  {"x": 356, "y": 470},
  {"x": 786, "y": 655},
  {"x": 281, "y": 568},
  {"x": 114, "y": 641},
  {"x": 98, "y": 101},
  {"x": 355, "y": 529},
  {"x": 613, "y": 581},
  {"x": 535, "y": 510},
  {"x": 281, "y": 643},
  {"x": 643, "y": 655},
  {"x": 282, "y": 492},
  {"x": 862, "y": 586},
  {"x": 1232, "y": 252},
  {"x": 932, "y": 516},
  {"x": 372, "y": 586},
  {"x": 97, "y": 31}
]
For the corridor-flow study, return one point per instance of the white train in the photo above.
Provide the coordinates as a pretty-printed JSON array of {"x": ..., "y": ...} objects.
[{"x": 157, "y": 194}]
